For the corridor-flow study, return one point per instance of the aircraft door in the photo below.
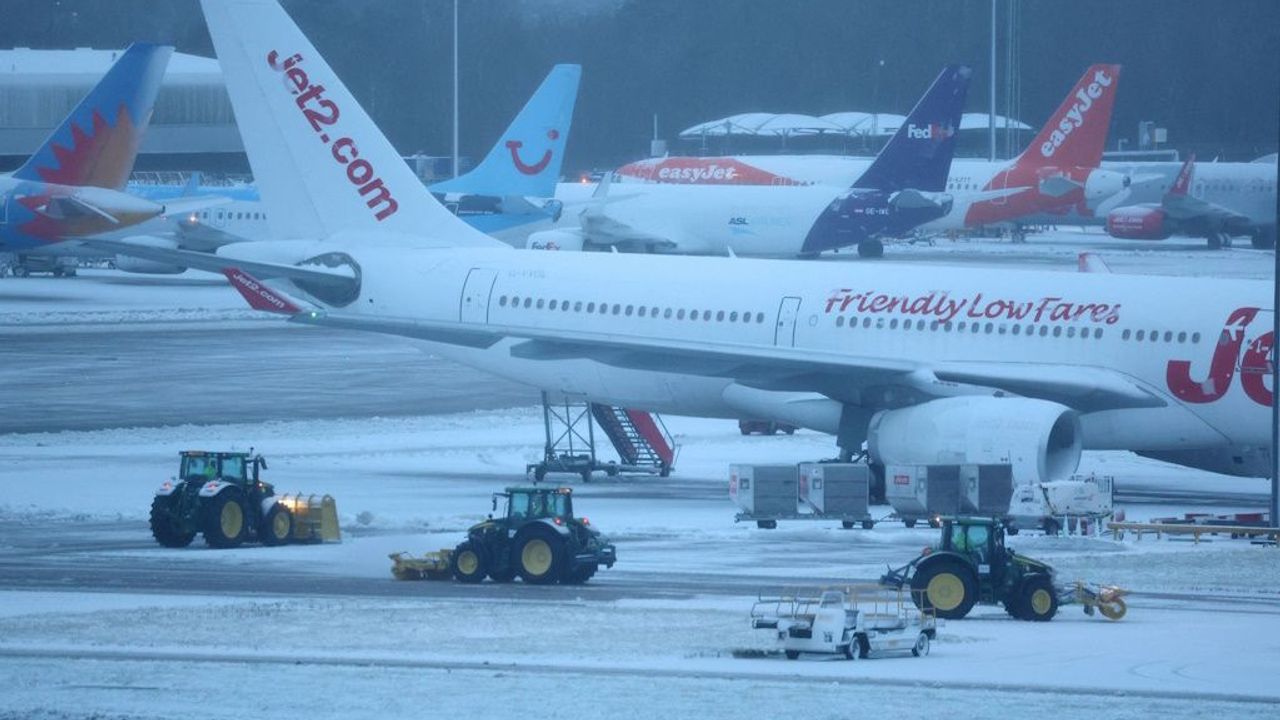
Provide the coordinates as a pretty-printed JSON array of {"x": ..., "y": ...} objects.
[
  {"x": 474, "y": 304},
  {"x": 784, "y": 333}
]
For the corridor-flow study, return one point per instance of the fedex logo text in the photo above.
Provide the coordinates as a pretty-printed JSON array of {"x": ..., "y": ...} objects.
[
  {"x": 322, "y": 112},
  {"x": 1075, "y": 115},
  {"x": 929, "y": 132}
]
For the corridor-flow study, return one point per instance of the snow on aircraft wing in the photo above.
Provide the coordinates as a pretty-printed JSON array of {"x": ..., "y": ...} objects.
[{"x": 335, "y": 278}]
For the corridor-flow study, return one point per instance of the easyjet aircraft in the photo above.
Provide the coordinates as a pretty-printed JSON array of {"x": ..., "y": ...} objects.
[
  {"x": 1059, "y": 170},
  {"x": 949, "y": 366}
]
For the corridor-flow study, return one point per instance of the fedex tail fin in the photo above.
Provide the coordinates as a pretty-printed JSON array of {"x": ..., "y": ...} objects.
[
  {"x": 1076, "y": 133},
  {"x": 918, "y": 156},
  {"x": 98, "y": 142},
  {"x": 1182, "y": 183},
  {"x": 320, "y": 163},
  {"x": 527, "y": 158}
]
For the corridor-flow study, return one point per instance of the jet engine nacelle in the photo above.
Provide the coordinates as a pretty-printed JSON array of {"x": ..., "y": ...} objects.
[
  {"x": 555, "y": 240},
  {"x": 1103, "y": 184},
  {"x": 1034, "y": 435},
  {"x": 1138, "y": 223},
  {"x": 132, "y": 264}
]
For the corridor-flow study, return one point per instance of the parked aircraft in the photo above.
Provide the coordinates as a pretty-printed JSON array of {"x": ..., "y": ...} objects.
[
  {"x": 1059, "y": 170},
  {"x": 1220, "y": 203},
  {"x": 900, "y": 190},
  {"x": 504, "y": 196},
  {"x": 950, "y": 366},
  {"x": 71, "y": 186}
]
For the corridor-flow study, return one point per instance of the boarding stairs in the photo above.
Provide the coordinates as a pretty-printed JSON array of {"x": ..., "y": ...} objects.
[{"x": 641, "y": 440}]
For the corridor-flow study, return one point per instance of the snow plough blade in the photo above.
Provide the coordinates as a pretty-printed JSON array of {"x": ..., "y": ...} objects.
[
  {"x": 315, "y": 518},
  {"x": 432, "y": 566}
]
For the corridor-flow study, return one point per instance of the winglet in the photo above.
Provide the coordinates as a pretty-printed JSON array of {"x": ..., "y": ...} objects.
[
  {"x": 1182, "y": 184},
  {"x": 258, "y": 295},
  {"x": 1092, "y": 263}
]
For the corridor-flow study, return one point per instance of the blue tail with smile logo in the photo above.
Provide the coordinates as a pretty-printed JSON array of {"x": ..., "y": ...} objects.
[{"x": 527, "y": 158}]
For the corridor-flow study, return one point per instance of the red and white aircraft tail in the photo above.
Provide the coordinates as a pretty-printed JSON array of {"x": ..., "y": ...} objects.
[
  {"x": 1076, "y": 133},
  {"x": 320, "y": 162}
]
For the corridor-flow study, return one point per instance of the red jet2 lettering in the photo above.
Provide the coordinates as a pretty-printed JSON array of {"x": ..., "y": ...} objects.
[
  {"x": 1254, "y": 365},
  {"x": 322, "y": 112}
]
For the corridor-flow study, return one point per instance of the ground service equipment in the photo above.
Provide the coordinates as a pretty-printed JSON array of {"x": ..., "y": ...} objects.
[
  {"x": 222, "y": 496},
  {"x": 855, "y": 622},
  {"x": 971, "y": 565},
  {"x": 537, "y": 538}
]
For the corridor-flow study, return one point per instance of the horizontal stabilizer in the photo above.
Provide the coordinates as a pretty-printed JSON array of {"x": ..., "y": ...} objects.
[
  {"x": 259, "y": 296},
  {"x": 337, "y": 279}
]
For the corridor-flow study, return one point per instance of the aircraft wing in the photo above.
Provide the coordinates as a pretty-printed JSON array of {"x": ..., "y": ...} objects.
[
  {"x": 334, "y": 278},
  {"x": 1190, "y": 208},
  {"x": 866, "y": 381}
]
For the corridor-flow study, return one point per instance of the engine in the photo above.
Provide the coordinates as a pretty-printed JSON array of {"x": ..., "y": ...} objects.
[
  {"x": 1103, "y": 184},
  {"x": 555, "y": 240},
  {"x": 132, "y": 264},
  {"x": 1033, "y": 435},
  {"x": 1138, "y": 223}
]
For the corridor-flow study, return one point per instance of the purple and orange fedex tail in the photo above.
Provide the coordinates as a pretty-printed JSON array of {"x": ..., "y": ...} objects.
[{"x": 98, "y": 142}]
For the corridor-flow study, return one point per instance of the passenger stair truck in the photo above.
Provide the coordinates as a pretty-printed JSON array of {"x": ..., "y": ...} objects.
[
  {"x": 856, "y": 622},
  {"x": 640, "y": 439}
]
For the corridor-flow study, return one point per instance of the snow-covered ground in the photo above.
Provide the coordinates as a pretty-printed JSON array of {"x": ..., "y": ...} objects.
[{"x": 661, "y": 634}]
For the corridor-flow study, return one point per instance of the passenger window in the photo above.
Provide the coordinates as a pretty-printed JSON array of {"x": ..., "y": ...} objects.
[
  {"x": 1057, "y": 331},
  {"x": 1140, "y": 335},
  {"x": 1017, "y": 329},
  {"x": 629, "y": 309},
  {"x": 720, "y": 316},
  {"x": 1044, "y": 330},
  {"x": 1168, "y": 336},
  {"x": 733, "y": 316},
  {"x": 528, "y": 302},
  {"x": 540, "y": 303},
  {"x": 680, "y": 314},
  {"x": 866, "y": 322},
  {"x": 642, "y": 310},
  {"x": 1071, "y": 331},
  {"x": 577, "y": 306},
  {"x": 1182, "y": 337},
  {"x": 1125, "y": 335},
  {"x": 502, "y": 301},
  {"x": 989, "y": 327},
  {"x": 552, "y": 305},
  {"x": 617, "y": 308},
  {"x": 760, "y": 317},
  {"x": 667, "y": 313},
  {"x": 591, "y": 307},
  {"x": 1195, "y": 337},
  {"x": 839, "y": 321},
  {"x": 893, "y": 324}
]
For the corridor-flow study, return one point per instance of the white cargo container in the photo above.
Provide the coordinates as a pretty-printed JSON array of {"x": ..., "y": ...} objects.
[
  {"x": 764, "y": 493},
  {"x": 987, "y": 489},
  {"x": 921, "y": 492},
  {"x": 837, "y": 491}
]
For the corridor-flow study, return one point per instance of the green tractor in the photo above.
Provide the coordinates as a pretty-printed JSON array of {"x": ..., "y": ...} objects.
[
  {"x": 971, "y": 565},
  {"x": 538, "y": 539},
  {"x": 220, "y": 495}
]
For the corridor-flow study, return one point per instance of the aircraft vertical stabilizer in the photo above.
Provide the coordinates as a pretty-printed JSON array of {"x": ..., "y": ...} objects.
[
  {"x": 98, "y": 142},
  {"x": 1076, "y": 133},
  {"x": 918, "y": 156},
  {"x": 527, "y": 158},
  {"x": 321, "y": 164}
]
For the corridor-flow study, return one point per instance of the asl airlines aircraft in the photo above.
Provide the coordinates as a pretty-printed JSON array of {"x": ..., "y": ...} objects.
[
  {"x": 71, "y": 187},
  {"x": 899, "y": 191},
  {"x": 953, "y": 366},
  {"x": 1059, "y": 170}
]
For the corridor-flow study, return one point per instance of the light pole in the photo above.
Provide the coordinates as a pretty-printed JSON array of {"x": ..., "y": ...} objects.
[
  {"x": 455, "y": 87},
  {"x": 992, "y": 119}
]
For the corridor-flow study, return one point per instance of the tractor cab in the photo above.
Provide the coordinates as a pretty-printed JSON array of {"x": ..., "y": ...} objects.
[
  {"x": 197, "y": 466},
  {"x": 981, "y": 540},
  {"x": 533, "y": 503}
]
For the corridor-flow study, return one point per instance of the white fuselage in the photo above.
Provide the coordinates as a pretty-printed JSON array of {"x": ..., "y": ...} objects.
[
  {"x": 797, "y": 304},
  {"x": 1246, "y": 188}
]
